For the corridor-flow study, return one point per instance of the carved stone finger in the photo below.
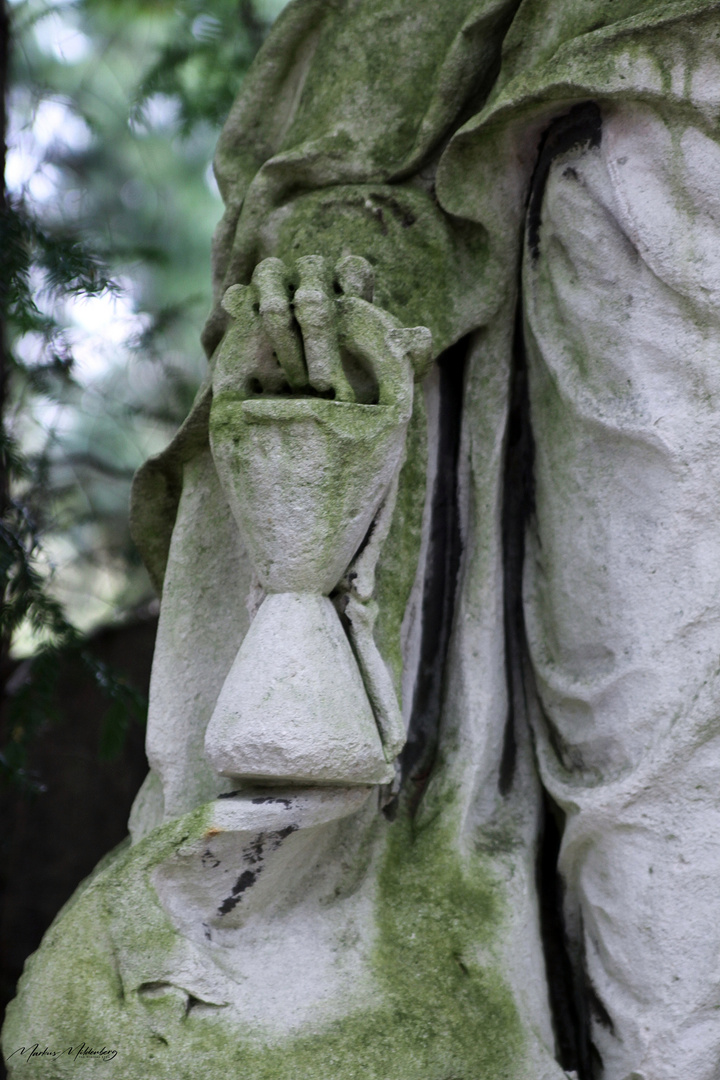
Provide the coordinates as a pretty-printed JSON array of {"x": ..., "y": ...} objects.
[
  {"x": 369, "y": 333},
  {"x": 245, "y": 356},
  {"x": 271, "y": 279},
  {"x": 315, "y": 311},
  {"x": 416, "y": 343},
  {"x": 355, "y": 276}
]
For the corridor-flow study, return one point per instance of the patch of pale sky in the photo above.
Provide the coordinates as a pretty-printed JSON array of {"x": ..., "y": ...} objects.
[
  {"x": 23, "y": 159},
  {"x": 159, "y": 112},
  {"x": 52, "y": 419},
  {"x": 53, "y": 124},
  {"x": 100, "y": 327},
  {"x": 43, "y": 184},
  {"x": 56, "y": 36},
  {"x": 211, "y": 181},
  {"x": 205, "y": 28}
]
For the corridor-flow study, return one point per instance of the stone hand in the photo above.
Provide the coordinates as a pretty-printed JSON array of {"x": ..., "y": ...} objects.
[{"x": 312, "y": 330}]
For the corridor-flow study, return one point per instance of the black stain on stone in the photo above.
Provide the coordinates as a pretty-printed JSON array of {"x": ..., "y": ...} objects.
[
  {"x": 255, "y": 853},
  {"x": 253, "y": 856},
  {"x": 246, "y": 879},
  {"x": 402, "y": 214}
]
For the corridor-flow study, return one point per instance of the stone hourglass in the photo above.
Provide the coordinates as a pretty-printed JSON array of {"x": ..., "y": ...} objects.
[{"x": 305, "y": 469}]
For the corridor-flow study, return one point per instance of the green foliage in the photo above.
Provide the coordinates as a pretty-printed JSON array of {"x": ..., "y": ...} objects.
[
  {"x": 144, "y": 96},
  {"x": 202, "y": 64},
  {"x": 128, "y": 216},
  {"x": 64, "y": 267}
]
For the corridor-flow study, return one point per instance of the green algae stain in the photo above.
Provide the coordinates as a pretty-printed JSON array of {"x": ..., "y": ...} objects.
[
  {"x": 456, "y": 1017},
  {"x": 398, "y": 561},
  {"x": 440, "y": 1015}
]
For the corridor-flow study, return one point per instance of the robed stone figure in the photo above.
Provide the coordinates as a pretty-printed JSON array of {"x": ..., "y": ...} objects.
[{"x": 536, "y": 892}]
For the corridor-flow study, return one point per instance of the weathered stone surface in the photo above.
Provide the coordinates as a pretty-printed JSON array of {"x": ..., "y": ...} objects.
[
  {"x": 293, "y": 707},
  {"x": 281, "y": 994},
  {"x": 534, "y": 180}
]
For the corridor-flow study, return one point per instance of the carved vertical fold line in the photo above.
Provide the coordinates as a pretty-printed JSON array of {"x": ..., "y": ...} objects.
[
  {"x": 440, "y": 587},
  {"x": 566, "y": 975},
  {"x": 518, "y": 507}
]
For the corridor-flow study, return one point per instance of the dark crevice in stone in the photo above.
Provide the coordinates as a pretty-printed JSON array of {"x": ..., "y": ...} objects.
[
  {"x": 155, "y": 987},
  {"x": 565, "y": 1004},
  {"x": 518, "y": 507},
  {"x": 570, "y": 996},
  {"x": 518, "y": 510},
  {"x": 209, "y": 859},
  {"x": 191, "y": 1003},
  {"x": 588, "y": 1007},
  {"x": 597, "y": 1008},
  {"x": 581, "y": 126},
  {"x": 254, "y": 852},
  {"x": 441, "y": 575}
]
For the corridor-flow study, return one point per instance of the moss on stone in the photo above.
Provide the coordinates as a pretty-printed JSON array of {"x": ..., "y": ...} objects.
[
  {"x": 397, "y": 565},
  {"x": 399, "y": 230},
  {"x": 439, "y": 1013}
]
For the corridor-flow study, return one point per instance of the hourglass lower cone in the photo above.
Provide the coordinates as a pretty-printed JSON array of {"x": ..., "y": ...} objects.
[{"x": 293, "y": 707}]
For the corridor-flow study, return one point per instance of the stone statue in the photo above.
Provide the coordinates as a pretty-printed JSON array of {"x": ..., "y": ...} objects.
[
  {"x": 305, "y": 477},
  {"x": 450, "y": 484}
]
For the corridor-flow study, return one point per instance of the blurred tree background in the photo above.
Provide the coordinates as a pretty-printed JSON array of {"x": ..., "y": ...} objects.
[
  {"x": 114, "y": 109},
  {"x": 112, "y": 112}
]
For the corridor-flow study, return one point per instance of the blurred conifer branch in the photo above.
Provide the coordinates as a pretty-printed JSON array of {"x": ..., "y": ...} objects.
[{"x": 182, "y": 62}]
